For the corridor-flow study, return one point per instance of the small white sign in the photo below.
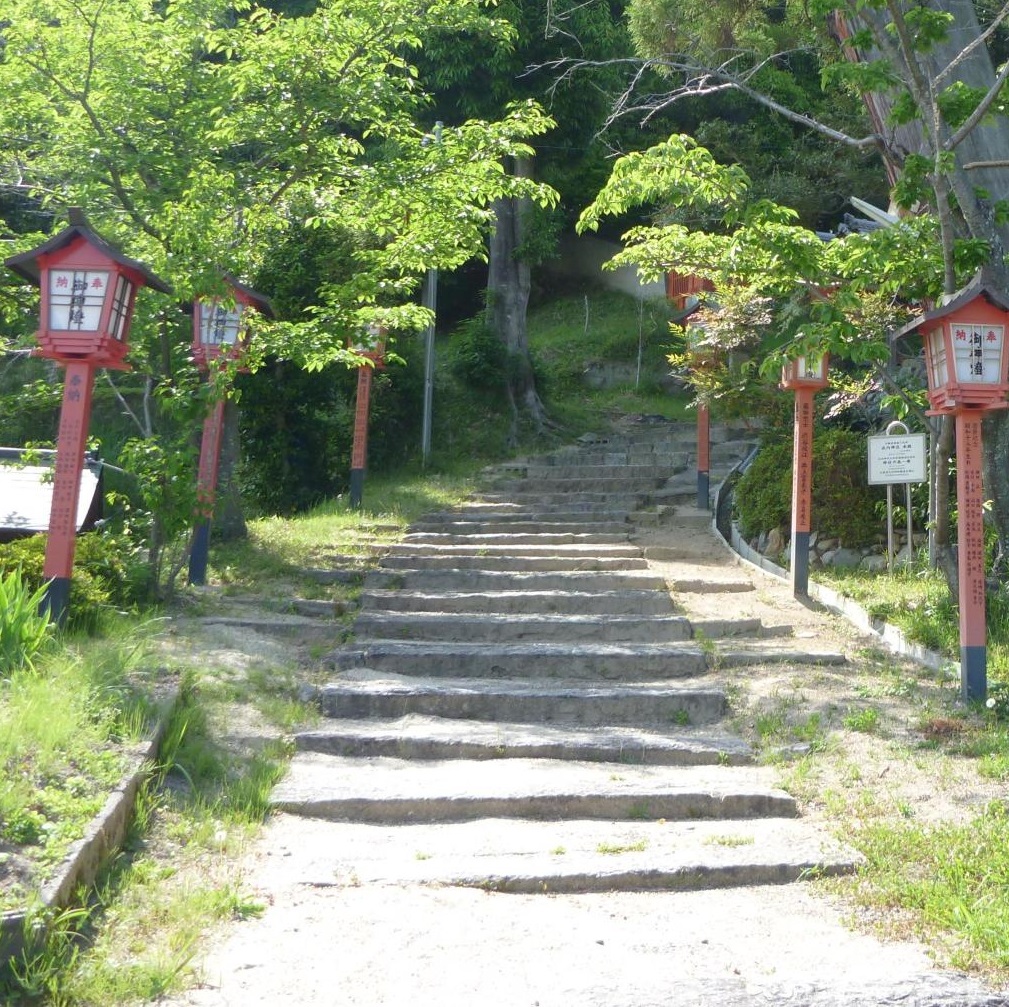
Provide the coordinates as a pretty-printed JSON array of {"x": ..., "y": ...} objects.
[{"x": 896, "y": 458}]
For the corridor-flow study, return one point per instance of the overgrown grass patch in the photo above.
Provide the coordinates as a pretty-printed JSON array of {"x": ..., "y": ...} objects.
[
  {"x": 68, "y": 729},
  {"x": 950, "y": 878}
]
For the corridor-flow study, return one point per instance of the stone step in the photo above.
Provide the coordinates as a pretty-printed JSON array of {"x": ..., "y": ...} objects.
[
  {"x": 585, "y": 856},
  {"x": 500, "y": 701},
  {"x": 288, "y": 627},
  {"x": 496, "y": 537},
  {"x": 420, "y": 737},
  {"x": 519, "y": 525},
  {"x": 593, "y": 473},
  {"x": 391, "y": 790},
  {"x": 592, "y": 662},
  {"x": 497, "y": 515},
  {"x": 560, "y": 602},
  {"x": 767, "y": 651},
  {"x": 486, "y": 547},
  {"x": 501, "y": 580},
  {"x": 510, "y": 628},
  {"x": 501, "y": 562},
  {"x": 617, "y": 499}
]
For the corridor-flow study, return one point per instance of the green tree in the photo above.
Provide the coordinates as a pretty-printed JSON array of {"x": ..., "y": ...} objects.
[
  {"x": 198, "y": 133},
  {"x": 936, "y": 116}
]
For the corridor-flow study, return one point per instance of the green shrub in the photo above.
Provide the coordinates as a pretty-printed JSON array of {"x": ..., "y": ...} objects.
[
  {"x": 107, "y": 574},
  {"x": 476, "y": 357},
  {"x": 23, "y": 629},
  {"x": 844, "y": 505}
]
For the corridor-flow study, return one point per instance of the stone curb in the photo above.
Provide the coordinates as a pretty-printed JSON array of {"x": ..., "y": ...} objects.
[
  {"x": 91, "y": 852},
  {"x": 890, "y": 636}
]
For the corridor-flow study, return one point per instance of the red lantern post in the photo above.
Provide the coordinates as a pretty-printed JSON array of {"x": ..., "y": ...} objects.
[
  {"x": 966, "y": 357},
  {"x": 373, "y": 348},
  {"x": 805, "y": 376},
  {"x": 219, "y": 333},
  {"x": 683, "y": 290},
  {"x": 88, "y": 289}
]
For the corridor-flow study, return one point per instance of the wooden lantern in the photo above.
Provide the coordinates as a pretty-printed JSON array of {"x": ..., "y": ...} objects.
[
  {"x": 88, "y": 289},
  {"x": 220, "y": 326},
  {"x": 806, "y": 372},
  {"x": 966, "y": 350}
]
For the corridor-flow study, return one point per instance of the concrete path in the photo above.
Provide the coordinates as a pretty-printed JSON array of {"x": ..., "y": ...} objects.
[{"x": 526, "y": 791}]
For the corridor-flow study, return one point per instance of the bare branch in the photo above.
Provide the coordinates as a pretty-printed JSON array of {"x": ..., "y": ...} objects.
[{"x": 127, "y": 410}]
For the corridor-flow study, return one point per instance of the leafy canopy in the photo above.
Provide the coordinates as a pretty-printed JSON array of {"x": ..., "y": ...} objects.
[{"x": 196, "y": 133}]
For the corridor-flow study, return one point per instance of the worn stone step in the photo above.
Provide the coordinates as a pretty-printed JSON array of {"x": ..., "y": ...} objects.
[
  {"x": 732, "y": 654},
  {"x": 597, "y": 473},
  {"x": 574, "y": 602},
  {"x": 288, "y": 627},
  {"x": 617, "y": 499},
  {"x": 373, "y": 695},
  {"x": 500, "y": 580},
  {"x": 384, "y": 789},
  {"x": 420, "y": 737},
  {"x": 510, "y": 628},
  {"x": 705, "y": 585},
  {"x": 535, "y": 537},
  {"x": 569, "y": 857},
  {"x": 517, "y": 524},
  {"x": 533, "y": 550},
  {"x": 594, "y": 662},
  {"x": 501, "y": 562},
  {"x": 720, "y": 629},
  {"x": 507, "y": 513}
]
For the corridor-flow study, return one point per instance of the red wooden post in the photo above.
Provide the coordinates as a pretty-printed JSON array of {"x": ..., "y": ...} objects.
[
  {"x": 804, "y": 376},
  {"x": 970, "y": 553},
  {"x": 372, "y": 346},
  {"x": 359, "y": 453},
  {"x": 220, "y": 333},
  {"x": 75, "y": 416},
  {"x": 703, "y": 456}
]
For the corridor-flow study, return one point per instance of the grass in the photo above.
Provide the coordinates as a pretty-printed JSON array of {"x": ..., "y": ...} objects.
[{"x": 68, "y": 727}]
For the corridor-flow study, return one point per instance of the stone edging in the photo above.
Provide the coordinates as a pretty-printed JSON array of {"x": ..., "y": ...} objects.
[
  {"x": 87, "y": 856},
  {"x": 890, "y": 636}
]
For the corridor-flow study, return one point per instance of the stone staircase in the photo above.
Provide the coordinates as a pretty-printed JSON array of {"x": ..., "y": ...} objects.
[{"x": 522, "y": 707}]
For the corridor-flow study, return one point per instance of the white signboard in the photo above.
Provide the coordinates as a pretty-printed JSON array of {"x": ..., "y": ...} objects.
[{"x": 896, "y": 458}]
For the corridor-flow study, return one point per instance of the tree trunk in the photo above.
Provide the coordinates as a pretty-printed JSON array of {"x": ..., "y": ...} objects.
[{"x": 508, "y": 284}]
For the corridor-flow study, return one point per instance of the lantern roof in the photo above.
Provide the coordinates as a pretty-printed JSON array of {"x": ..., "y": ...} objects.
[
  {"x": 252, "y": 297},
  {"x": 26, "y": 263},
  {"x": 981, "y": 286},
  {"x": 245, "y": 295}
]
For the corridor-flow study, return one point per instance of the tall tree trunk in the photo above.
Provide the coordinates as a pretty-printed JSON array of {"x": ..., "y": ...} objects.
[{"x": 508, "y": 284}]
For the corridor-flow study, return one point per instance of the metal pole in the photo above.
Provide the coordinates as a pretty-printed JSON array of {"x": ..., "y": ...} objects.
[{"x": 430, "y": 301}]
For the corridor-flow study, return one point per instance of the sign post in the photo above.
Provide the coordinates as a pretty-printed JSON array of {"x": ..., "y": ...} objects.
[{"x": 897, "y": 457}]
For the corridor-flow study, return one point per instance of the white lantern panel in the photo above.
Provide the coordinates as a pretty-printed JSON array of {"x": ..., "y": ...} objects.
[
  {"x": 809, "y": 368},
  {"x": 937, "y": 355},
  {"x": 120, "y": 313},
  {"x": 75, "y": 299},
  {"x": 219, "y": 325},
  {"x": 977, "y": 350}
]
